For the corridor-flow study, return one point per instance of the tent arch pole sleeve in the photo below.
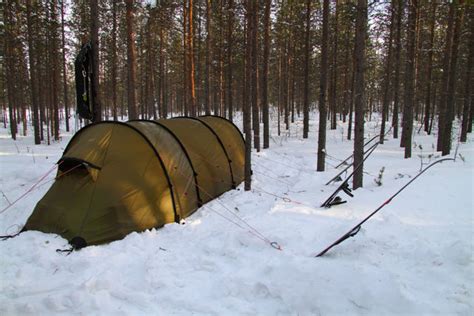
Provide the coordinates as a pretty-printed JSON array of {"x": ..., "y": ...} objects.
[
  {"x": 232, "y": 181},
  {"x": 170, "y": 186},
  {"x": 199, "y": 199},
  {"x": 229, "y": 122},
  {"x": 79, "y": 132}
]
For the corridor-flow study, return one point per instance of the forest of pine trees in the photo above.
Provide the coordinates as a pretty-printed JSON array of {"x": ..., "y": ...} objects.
[{"x": 411, "y": 61}]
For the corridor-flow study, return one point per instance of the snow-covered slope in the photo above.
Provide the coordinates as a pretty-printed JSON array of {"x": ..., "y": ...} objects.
[{"x": 415, "y": 257}]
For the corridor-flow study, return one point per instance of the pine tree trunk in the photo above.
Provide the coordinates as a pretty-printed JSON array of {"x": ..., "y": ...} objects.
[
  {"x": 31, "y": 25},
  {"x": 407, "y": 122},
  {"x": 254, "y": 55},
  {"x": 347, "y": 74},
  {"x": 95, "y": 95},
  {"x": 445, "y": 79},
  {"x": 192, "y": 86},
  {"x": 359, "y": 92},
  {"x": 65, "y": 93},
  {"x": 10, "y": 66},
  {"x": 131, "y": 61},
  {"x": 266, "y": 53},
  {"x": 185, "y": 79},
  {"x": 249, "y": 94},
  {"x": 207, "y": 94},
  {"x": 451, "y": 97},
  {"x": 287, "y": 84},
  {"x": 306, "y": 72},
  {"x": 468, "y": 82},
  {"x": 334, "y": 72},
  {"x": 388, "y": 71},
  {"x": 114, "y": 61},
  {"x": 230, "y": 26},
  {"x": 396, "y": 80},
  {"x": 322, "y": 90},
  {"x": 429, "y": 70},
  {"x": 54, "y": 66}
]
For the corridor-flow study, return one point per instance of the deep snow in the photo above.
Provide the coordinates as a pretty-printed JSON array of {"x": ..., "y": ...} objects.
[{"x": 415, "y": 257}]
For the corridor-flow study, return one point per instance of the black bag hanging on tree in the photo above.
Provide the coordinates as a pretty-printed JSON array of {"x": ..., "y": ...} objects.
[{"x": 83, "y": 73}]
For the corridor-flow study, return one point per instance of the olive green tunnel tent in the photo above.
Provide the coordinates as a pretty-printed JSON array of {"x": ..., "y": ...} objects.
[{"x": 116, "y": 178}]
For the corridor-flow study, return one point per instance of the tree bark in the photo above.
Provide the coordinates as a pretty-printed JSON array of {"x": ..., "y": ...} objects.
[
  {"x": 65, "y": 93},
  {"x": 266, "y": 53},
  {"x": 54, "y": 66},
  {"x": 445, "y": 79},
  {"x": 131, "y": 61},
  {"x": 359, "y": 93},
  {"x": 306, "y": 72},
  {"x": 190, "y": 46},
  {"x": 230, "y": 26},
  {"x": 248, "y": 102},
  {"x": 407, "y": 122},
  {"x": 31, "y": 25},
  {"x": 207, "y": 94},
  {"x": 94, "y": 29},
  {"x": 322, "y": 90},
  {"x": 429, "y": 70},
  {"x": 466, "y": 118},
  {"x": 114, "y": 61},
  {"x": 254, "y": 55},
  {"x": 388, "y": 71},
  {"x": 396, "y": 80},
  {"x": 334, "y": 73},
  {"x": 451, "y": 93}
]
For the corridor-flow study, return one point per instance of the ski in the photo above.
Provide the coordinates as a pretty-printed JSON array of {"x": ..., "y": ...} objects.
[
  {"x": 344, "y": 162},
  {"x": 338, "y": 176},
  {"x": 333, "y": 199},
  {"x": 354, "y": 230}
]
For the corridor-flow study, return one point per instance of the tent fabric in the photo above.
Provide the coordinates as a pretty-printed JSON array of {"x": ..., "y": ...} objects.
[{"x": 115, "y": 178}]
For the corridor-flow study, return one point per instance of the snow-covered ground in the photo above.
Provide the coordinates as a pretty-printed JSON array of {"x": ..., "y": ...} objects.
[{"x": 415, "y": 257}]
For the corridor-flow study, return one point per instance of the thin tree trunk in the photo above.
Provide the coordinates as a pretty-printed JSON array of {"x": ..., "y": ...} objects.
[
  {"x": 334, "y": 73},
  {"x": 254, "y": 54},
  {"x": 396, "y": 80},
  {"x": 266, "y": 53},
  {"x": 280, "y": 87},
  {"x": 445, "y": 79},
  {"x": 466, "y": 118},
  {"x": 359, "y": 95},
  {"x": 306, "y": 72},
  {"x": 186, "y": 96},
  {"x": 388, "y": 71},
  {"x": 207, "y": 104},
  {"x": 322, "y": 90},
  {"x": 230, "y": 26},
  {"x": 114, "y": 60},
  {"x": 346, "y": 76},
  {"x": 287, "y": 84},
  {"x": 192, "y": 86},
  {"x": 429, "y": 70},
  {"x": 31, "y": 24},
  {"x": 65, "y": 94},
  {"x": 54, "y": 66},
  {"x": 248, "y": 102},
  {"x": 95, "y": 95},
  {"x": 407, "y": 122},
  {"x": 10, "y": 66},
  {"x": 161, "y": 85},
  {"x": 451, "y": 97}
]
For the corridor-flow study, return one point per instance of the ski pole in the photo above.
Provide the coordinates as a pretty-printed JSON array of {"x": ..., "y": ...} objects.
[
  {"x": 354, "y": 230},
  {"x": 344, "y": 185}
]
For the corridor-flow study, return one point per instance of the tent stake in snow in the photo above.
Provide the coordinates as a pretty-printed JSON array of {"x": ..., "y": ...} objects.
[
  {"x": 333, "y": 199},
  {"x": 354, "y": 230}
]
